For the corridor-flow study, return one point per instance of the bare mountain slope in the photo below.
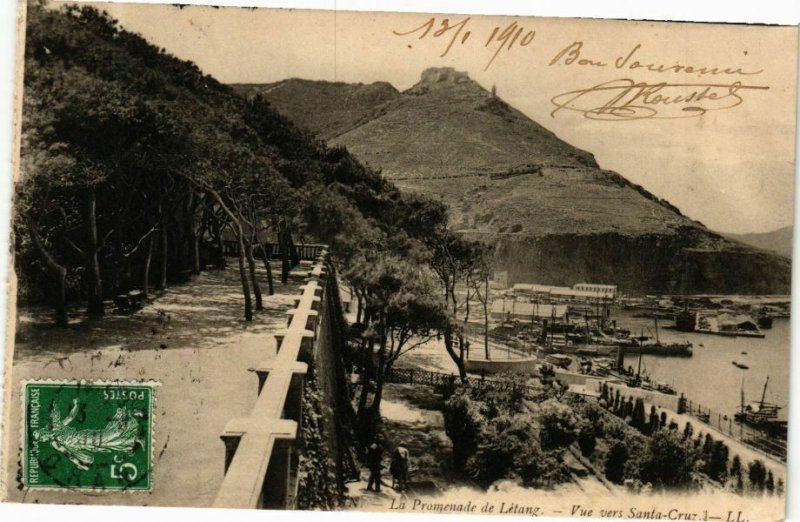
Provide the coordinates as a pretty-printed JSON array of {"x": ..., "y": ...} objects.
[
  {"x": 779, "y": 240},
  {"x": 328, "y": 109},
  {"x": 552, "y": 213}
]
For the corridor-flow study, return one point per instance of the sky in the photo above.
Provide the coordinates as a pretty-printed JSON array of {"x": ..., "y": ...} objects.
[{"x": 731, "y": 169}]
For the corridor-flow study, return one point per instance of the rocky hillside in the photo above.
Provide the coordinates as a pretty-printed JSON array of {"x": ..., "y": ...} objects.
[{"x": 552, "y": 213}]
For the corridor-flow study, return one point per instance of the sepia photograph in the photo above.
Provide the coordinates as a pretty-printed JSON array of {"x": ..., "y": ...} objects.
[{"x": 411, "y": 263}]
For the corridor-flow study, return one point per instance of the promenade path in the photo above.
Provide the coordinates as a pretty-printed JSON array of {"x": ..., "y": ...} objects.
[{"x": 192, "y": 340}]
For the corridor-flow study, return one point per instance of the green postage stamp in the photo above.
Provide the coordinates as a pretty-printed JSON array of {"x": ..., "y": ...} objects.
[{"x": 88, "y": 435}]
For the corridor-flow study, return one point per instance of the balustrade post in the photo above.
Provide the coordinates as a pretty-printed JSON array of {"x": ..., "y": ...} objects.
[
  {"x": 231, "y": 444},
  {"x": 275, "y": 492}
]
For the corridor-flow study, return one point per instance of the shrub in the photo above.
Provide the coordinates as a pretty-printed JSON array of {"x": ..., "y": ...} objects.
[
  {"x": 506, "y": 444},
  {"x": 317, "y": 484},
  {"x": 558, "y": 425},
  {"x": 463, "y": 423}
]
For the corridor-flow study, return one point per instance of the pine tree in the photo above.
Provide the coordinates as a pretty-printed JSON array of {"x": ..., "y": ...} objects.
[
  {"x": 736, "y": 473},
  {"x": 770, "y": 485}
]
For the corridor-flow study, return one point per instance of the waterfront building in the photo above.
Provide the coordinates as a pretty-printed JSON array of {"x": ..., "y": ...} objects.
[{"x": 526, "y": 312}]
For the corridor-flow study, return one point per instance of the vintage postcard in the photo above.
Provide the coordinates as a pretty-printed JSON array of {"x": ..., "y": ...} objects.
[{"x": 408, "y": 263}]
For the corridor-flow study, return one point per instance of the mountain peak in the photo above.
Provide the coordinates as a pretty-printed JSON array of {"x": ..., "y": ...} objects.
[
  {"x": 445, "y": 79},
  {"x": 433, "y": 75}
]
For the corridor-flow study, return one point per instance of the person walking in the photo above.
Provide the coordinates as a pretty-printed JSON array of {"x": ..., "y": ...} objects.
[
  {"x": 399, "y": 467},
  {"x": 374, "y": 464}
]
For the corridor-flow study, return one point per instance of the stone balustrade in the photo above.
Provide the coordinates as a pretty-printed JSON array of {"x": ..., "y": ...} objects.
[{"x": 260, "y": 456}]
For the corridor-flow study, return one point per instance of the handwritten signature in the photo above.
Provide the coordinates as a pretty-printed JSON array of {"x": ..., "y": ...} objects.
[{"x": 625, "y": 99}]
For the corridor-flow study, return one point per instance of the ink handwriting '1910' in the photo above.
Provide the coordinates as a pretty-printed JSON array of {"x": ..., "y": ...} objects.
[{"x": 456, "y": 33}]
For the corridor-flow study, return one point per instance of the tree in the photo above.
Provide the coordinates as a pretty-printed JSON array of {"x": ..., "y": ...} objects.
[
  {"x": 615, "y": 462},
  {"x": 638, "y": 416},
  {"x": 717, "y": 464},
  {"x": 407, "y": 312},
  {"x": 452, "y": 259},
  {"x": 477, "y": 282},
  {"x": 668, "y": 462},
  {"x": 558, "y": 425},
  {"x": 770, "y": 483},
  {"x": 757, "y": 474},
  {"x": 463, "y": 423},
  {"x": 587, "y": 440},
  {"x": 736, "y": 474},
  {"x": 653, "y": 420},
  {"x": 688, "y": 430}
]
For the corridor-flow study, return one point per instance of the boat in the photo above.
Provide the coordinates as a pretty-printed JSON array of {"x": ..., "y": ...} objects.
[
  {"x": 740, "y": 365},
  {"x": 679, "y": 349},
  {"x": 685, "y": 320},
  {"x": 663, "y": 387},
  {"x": 684, "y": 349},
  {"x": 603, "y": 367},
  {"x": 596, "y": 351},
  {"x": 635, "y": 380},
  {"x": 559, "y": 360},
  {"x": 764, "y": 320},
  {"x": 762, "y": 414}
]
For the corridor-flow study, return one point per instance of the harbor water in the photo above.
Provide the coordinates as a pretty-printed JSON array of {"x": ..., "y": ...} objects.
[{"x": 708, "y": 377}]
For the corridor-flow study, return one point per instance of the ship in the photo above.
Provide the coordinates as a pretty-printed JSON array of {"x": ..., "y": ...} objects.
[
  {"x": 683, "y": 349},
  {"x": 762, "y": 415},
  {"x": 679, "y": 349},
  {"x": 685, "y": 320},
  {"x": 764, "y": 319}
]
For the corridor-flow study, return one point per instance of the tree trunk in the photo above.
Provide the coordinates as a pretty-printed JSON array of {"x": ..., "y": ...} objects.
[
  {"x": 486, "y": 340},
  {"x": 360, "y": 306},
  {"x": 193, "y": 204},
  {"x": 375, "y": 409},
  {"x": 162, "y": 281},
  {"x": 293, "y": 255},
  {"x": 248, "y": 303},
  {"x": 148, "y": 258},
  {"x": 283, "y": 244},
  {"x": 95, "y": 302},
  {"x": 196, "y": 252},
  {"x": 251, "y": 265},
  {"x": 218, "y": 239},
  {"x": 237, "y": 228},
  {"x": 268, "y": 268},
  {"x": 60, "y": 275},
  {"x": 459, "y": 361},
  {"x": 366, "y": 366}
]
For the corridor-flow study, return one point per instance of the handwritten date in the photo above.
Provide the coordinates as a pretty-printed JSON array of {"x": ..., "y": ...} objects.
[{"x": 456, "y": 33}]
